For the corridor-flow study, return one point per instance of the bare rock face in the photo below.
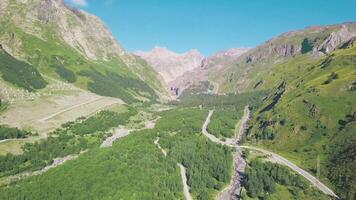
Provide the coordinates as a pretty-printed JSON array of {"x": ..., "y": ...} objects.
[
  {"x": 82, "y": 31},
  {"x": 271, "y": 48},
  {"x": 321, "y": 40},
  {"x": 171, "y": 65},
  {"x": 350, "y": 43},
  {"x": 222, "y": 58},
  {"x": 210, "y": 67},
  {"x": 346, "y": 33},
  {"x": 232, "y": 53}
]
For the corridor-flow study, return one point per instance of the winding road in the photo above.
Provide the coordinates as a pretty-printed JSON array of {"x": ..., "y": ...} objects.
[
  {"x": 159, "y": 146},
  {"x": 279, "y": 159},
  {"x": 211, "y": 137},
  {"x": 183, "y": 172}
]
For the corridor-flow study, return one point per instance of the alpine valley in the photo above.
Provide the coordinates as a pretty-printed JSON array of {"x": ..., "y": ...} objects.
[{"x": 83, "y": 118}]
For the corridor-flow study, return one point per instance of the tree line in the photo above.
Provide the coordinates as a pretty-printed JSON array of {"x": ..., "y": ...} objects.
[
  {"x": 71, "y": 138},
  {"x": 7, "y": 132}
]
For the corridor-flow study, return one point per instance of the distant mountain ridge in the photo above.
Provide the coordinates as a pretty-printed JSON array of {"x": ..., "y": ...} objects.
[
  {"x": 169, "y": 64},
  {"x": 315, "y": 41},
  {"x": 183, "y": 70}
]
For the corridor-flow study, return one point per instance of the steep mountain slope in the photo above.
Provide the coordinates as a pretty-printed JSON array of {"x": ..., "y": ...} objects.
[
  {"x": 308, "y": 115},
  {"x": 172, "y": 65},
  {"x": 308, "y": 112},
  {"x": 315, "y": 109},
  {"x": 74, "y": 46},
  {"x": 248, "y": 71}
]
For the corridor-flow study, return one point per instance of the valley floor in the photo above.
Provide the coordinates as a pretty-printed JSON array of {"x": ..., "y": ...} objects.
[
  {"x": 175, "y": 147},
  {"x": 236, "y": 183}
]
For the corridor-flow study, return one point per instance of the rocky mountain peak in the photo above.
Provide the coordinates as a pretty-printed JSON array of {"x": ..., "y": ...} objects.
[
  {"x": 318, "y": 40},
  {"x": 82, "y": 31},
  {"x": 170, "y": 64},
  {"x": 335, "y": 39},
  {"x": 232, "y": 53}
]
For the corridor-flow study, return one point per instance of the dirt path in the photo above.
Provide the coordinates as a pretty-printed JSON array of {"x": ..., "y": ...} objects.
[
  {"x": 68, "y": 109},
  {"x": 107, "y": 101},
  {"x": 13, "y": 139},
  {"x": 238, "y": 159},
  {"x": 56, "y": 162},
  {"x": 123, "y": 132},
  {"x": 279, "y": 159},
  {"x": 159, "y": 146},
  {"x": 184, "y": 181},
  {"x": 182, "y": 172},
  {"x": 119, "y": 133}
]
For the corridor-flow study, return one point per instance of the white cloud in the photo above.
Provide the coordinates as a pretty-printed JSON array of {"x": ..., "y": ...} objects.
[{"x": 81, "y": 3}]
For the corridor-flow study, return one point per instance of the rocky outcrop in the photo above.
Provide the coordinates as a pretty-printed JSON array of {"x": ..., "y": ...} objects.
[
  {"x": 69, "y": 29},
  {"x": 272, "y": 49},
  {"x": 349, "y": 44},
  {"x": 318, "y": 40},
  {"x": 171, "y": 65},
  {"x": 337, "y": 38},
  {"x": 82, "y": 31}
]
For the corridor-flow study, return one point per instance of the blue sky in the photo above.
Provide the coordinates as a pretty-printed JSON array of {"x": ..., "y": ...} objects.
[{"x": 212, "y": 25}]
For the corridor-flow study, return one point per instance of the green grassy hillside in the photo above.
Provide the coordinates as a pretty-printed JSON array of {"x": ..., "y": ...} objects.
[
  {"x": 20, "y": 73},
  {"x": 267, "y": 180},
  {"x": 46, "y": 52},
  {"x": 309, "y": 115},
  {"x": 55, "y": 59}
]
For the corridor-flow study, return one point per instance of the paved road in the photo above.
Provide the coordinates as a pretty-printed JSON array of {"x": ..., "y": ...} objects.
[
  {"x": 184, "y": 181},
  {"x": 275, "y": 156},
  {"x": 212, "y": 137},
  {"x": 297, "y": 169}
]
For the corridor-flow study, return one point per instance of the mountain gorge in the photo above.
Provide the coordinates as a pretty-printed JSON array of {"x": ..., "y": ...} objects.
[
  {"x": 171, "y": 65},
  {"x": 188, "y": 69}
]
